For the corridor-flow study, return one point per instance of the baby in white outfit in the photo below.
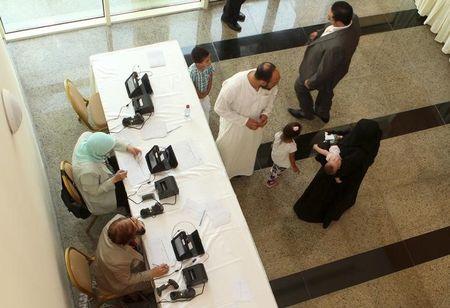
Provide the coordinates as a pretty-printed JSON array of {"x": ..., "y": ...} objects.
[{"x": 333, "y": 158}]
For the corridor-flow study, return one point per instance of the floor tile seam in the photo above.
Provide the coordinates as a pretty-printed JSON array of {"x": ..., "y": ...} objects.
[
  {"x": 387, "y": 20},
  {"x": 440, "y": 114},
  {"x": 306, "y": 287},
  {"x": 409, "y": 252},
  {"x": 215, "y": 52},
  {"x": 385, "y": 15},
  {"x": 305, "y": 34},
  {"x": 398, "y": 232}
]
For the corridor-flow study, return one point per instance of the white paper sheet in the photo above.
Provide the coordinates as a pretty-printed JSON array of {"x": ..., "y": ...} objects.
[
  {"x": 155, "y": 57},
  {"x": 126, "y": 135},
  {"x": 154, "y": 129},
  {"x": 137, "y": 168},
  {"x": 218, "y": 215},
  {"x": 194, "y": 210},
  {"x": 173, "y": 126},
  {"x": 187, "y": 155},
  {"x": 161, "y": 251},
  {"x": 241, "y": 291},
  {"x": 164, "y": 85}
]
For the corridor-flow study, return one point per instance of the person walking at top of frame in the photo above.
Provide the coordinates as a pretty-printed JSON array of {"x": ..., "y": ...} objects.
[
  {"x": 326, "y": 61},
  {"x": 232, "y": 14}
]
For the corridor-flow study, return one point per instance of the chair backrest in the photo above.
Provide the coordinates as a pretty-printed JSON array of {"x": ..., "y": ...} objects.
[
  {"x": 67, "y": 177},
  {"x": 77, "y": 266},
  {"x": 77, "y": 101}
]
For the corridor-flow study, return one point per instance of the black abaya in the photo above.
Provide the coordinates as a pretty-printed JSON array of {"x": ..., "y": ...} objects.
[
  {"x": 318, "y": 197},
  {"x": 325, "y": 200}
]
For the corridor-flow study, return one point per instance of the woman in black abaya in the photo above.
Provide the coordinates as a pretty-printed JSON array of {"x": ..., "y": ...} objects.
[{"x": 325, "y": 200}]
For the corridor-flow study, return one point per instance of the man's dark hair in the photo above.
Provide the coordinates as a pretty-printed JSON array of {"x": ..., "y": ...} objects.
[
  {"x": 342, "y": 11},
  {"x": 199, "y": 54},
  {"x": 264, "y": 71}
]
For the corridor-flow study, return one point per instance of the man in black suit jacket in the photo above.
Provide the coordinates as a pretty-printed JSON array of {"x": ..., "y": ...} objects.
[{"x": 326, "y": 61}]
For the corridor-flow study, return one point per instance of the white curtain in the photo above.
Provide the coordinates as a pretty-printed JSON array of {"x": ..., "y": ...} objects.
[{"x": 438, "y": 12}]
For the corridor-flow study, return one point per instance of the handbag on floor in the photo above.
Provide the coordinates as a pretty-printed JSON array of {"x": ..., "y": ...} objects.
[{"x": 68, "y": 192}]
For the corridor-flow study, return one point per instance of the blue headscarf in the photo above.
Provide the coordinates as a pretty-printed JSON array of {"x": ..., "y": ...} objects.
[{"x": 95, "y": 148}]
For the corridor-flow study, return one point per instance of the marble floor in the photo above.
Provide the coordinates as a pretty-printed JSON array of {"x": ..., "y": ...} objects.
[
  {"x": 389, "y": 208},
  {"x": 404, "y": 194}
]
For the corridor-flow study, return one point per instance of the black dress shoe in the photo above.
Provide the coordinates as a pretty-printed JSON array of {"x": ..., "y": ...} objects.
[
  {"x": 325, "y": 120},
  {"x": 241, "y": 17},
  {"x": 232, "y": 25},
  {"x": 299, "y": 114}
]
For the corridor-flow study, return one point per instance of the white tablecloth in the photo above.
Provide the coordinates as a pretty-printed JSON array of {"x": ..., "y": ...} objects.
[
  {"x": 438, "y": 12},
  {"x": 236, "y": 274}
]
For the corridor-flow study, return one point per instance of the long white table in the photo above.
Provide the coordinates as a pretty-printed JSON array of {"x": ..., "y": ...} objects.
[{"x": 236, "y": 274}]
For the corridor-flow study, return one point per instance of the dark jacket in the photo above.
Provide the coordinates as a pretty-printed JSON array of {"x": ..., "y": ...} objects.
[{"x": 327, "y": 59}]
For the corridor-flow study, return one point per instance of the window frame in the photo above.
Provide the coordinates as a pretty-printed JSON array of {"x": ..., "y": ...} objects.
[{"x": 107, "y": 19}]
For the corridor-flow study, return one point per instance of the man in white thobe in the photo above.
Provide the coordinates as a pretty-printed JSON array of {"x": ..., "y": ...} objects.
[{"x": 244, "y": 105}]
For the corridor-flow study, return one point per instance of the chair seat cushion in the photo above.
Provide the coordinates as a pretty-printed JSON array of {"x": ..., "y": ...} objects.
[{"x": 96, "y": 115}]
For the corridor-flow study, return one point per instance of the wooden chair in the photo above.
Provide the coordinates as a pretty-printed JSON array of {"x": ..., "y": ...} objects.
[
  {"x": 65, "y": 168},
  {"x": 77, "y": 267},
  {"x": 89, "y": 111}
]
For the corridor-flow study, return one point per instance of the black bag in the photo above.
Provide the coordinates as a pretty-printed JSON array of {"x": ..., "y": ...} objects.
[{"x": 79, "y": 210}]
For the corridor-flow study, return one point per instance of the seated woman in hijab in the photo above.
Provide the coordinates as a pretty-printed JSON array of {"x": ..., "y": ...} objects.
[
  {"x": 325, "y": 200},
  {"x": 119, "y": 266},
  {"x": 99, "y": 183}
]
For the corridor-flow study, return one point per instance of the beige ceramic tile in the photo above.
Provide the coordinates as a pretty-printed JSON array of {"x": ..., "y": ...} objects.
[{"x": 413, "y": 183}]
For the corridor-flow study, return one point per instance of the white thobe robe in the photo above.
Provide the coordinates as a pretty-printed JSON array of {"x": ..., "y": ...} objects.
[{"x": 237, "y": 102}]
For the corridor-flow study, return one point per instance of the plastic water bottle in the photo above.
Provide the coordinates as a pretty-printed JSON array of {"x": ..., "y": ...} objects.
[{"x": 187, "y": 112}]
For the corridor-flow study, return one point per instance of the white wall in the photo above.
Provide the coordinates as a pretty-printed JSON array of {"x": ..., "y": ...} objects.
[{"x": 32, "y": 272}]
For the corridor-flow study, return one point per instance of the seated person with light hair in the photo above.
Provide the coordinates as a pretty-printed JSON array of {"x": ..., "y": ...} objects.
[{"x": 119, "y": 267}]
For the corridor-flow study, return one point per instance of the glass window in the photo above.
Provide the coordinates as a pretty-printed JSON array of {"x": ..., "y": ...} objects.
[
  {"x": 127, "y": 6},
  {"x": 28, "y": 14}
]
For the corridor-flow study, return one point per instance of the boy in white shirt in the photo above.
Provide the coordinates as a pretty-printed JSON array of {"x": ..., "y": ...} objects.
[{"x": 201, "y": 72}]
